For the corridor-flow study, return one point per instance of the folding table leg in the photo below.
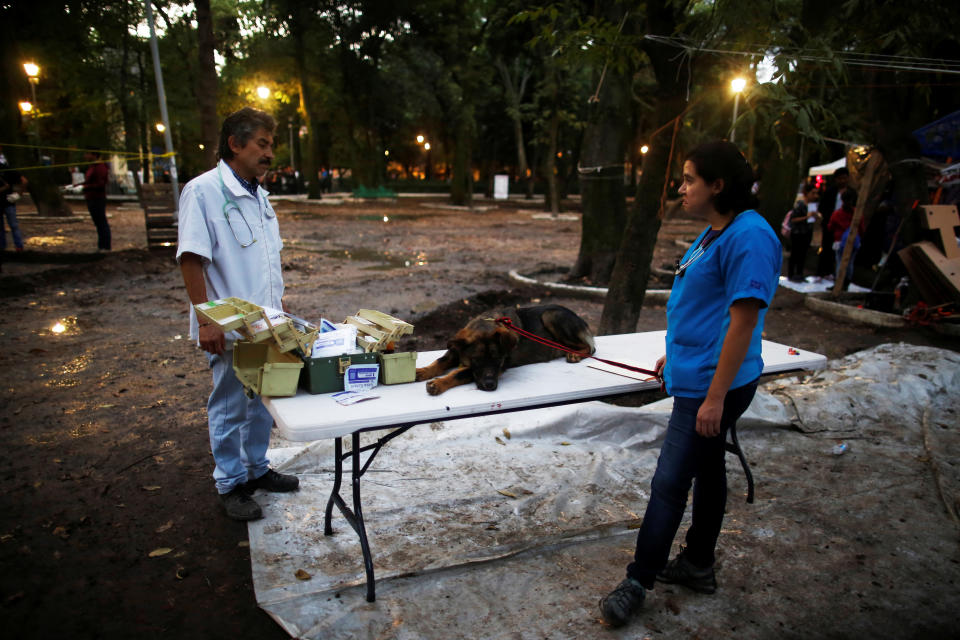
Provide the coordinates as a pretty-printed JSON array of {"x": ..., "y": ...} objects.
[
  {"x": 337, "y": 477},
  {"x": 356, "y": 472}
]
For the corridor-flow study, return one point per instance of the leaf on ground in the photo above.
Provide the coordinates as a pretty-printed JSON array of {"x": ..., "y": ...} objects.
[
  {"x": 165, "y": 527},
  {"x": 499, "y": 441},
  {"x": 160, "y": 551},
  {"x": 302, "y": 575},
  {"x": 506, "y": 432},
  {"x": 504, "y": 492},
  {"x": 565, "y": 444},
  {"x": 243, "y": 544},
  {"x": 61, "y": 532},
  {"x": 152, "y": 487}
]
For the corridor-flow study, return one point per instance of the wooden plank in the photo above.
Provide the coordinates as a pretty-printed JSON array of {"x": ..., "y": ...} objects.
[{"x": 870, "y": 178}]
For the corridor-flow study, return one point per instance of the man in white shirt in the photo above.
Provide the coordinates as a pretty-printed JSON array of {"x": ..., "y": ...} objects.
[{"x": 229, "y": 245}]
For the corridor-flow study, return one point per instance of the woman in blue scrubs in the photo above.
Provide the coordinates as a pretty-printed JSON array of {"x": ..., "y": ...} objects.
[{"x": 721, "y": 291}]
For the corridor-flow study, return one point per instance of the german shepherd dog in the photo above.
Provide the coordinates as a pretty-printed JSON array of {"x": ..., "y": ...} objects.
[{"x": 483, "y": 349}]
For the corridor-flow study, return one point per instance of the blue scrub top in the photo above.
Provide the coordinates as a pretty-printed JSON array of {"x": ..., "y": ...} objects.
[{"x": 743, "y": 262}]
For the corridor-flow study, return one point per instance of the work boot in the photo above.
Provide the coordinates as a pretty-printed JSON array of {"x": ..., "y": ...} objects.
[
  {"x": 274, "y": 482},
  {"x": 240, "y": 506},
  {"x": 683, "y": 572},
  {"x": 622, "y": 603}
]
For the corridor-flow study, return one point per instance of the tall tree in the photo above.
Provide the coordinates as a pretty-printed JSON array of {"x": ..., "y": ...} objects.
[{"x": 206, "y": 82}]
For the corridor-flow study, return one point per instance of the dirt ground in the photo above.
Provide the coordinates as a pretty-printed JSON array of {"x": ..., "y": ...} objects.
[{"x": 103, "y": 444}]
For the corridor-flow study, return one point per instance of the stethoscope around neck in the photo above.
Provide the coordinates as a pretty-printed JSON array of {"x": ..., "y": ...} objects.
[{"x": 228, "y": 203}]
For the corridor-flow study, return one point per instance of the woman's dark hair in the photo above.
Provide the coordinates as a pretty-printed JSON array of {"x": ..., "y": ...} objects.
[
  {"x": 721, "y": 160},
  {"x": 242, "y": 125},
  {"x": 849, "y": 197},
  {"x": 807, "y": 188}
]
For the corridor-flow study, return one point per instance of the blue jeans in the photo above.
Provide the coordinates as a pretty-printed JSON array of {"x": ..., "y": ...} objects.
[
  {"x": 687, "y": 458},
  {"x": 10, "y": 215},
  {"x": 239, "y": 428}
]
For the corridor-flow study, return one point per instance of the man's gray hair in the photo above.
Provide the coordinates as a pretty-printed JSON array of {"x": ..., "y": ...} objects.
[{"x": 242, "y": 125}]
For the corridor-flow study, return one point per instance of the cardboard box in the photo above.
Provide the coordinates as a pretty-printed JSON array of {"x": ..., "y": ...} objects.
[
  {"x": 265, "y": 370},
  {"x": 325, "y": 375},
  {"x": 398, "y": 368}
]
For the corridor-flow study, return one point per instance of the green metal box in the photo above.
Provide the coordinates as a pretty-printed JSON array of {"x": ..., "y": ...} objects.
[{"x": 325, "y": 375}]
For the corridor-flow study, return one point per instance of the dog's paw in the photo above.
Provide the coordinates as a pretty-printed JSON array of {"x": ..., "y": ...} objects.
[
  {"x": 434, "y": 388},
  {"x": 574, "y": 357},
  {"x": 422, "y": 375}
]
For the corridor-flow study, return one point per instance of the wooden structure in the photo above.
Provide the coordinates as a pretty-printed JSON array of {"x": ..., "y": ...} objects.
[
  {"x": 935, "y": 266},
  {"x": 159, "y": 214}
]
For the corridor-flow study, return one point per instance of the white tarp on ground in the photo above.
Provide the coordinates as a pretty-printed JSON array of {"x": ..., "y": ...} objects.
[{"x": 510, "y": 526}]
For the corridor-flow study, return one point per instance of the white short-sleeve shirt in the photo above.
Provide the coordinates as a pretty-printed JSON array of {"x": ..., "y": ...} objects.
[{"x": 252, "y": 273}]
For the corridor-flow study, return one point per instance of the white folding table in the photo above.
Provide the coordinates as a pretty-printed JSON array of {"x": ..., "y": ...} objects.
[{"x": 307, "y": 417}]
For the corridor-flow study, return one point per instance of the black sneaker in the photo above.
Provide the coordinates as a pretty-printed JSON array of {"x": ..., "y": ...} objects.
[
  {"x": 240, "y": 506},
  {"x": 683, "y": 572},
  {"x": 622, "y": 603},
  {"x": 275, "y": 482}
]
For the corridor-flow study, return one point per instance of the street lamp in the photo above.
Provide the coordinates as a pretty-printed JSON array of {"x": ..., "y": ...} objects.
[
  {"x": 160, "y": 127},
  {"x": 26, "y": 107},
  {"x": 737, "y": 85},
  {"x": 32, "y": 70},
  {"x": 263, "y": 92}
]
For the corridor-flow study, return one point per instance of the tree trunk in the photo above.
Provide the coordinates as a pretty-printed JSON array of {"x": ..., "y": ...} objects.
[
  {"x": 603, "y": 196},
  {"x": 514, "y": 95},
  {"x": 460, "y": 185},
  {"x": 628, "y": 282},
  {"x": 308, "y": 161},
  {"x": 207, "y": 83}
]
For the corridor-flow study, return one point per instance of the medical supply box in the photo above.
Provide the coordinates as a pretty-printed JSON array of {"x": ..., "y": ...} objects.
[
  {"x": 262, "y": 358},
  {"x": 326, "y": 374}
]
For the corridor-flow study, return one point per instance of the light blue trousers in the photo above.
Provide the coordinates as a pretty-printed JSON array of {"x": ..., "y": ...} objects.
[{"x": 239, "y": 428}]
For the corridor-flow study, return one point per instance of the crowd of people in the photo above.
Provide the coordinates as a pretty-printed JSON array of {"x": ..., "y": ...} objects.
[{"x": 830, "y": 209}]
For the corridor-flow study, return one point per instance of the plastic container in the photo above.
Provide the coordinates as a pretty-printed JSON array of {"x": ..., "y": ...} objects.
[
  {"x": 376, "y": 329},
  {"x": 258, "y": 324},
  {"x": 325, "y": 375},
  {"x": 398, "y": 368},
  {"x": 265, "y": 370}
]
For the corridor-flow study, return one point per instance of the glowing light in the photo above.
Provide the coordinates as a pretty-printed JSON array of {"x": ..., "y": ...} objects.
[
  {"x": 160, "y": 127},
  {"x": 644, "y": 149},
  {"x": 26, "y": 106},
  {"x": 58, "y": 328},
  {"x": 201, "y": 146},
  {"x": 737, "y": 85},
  {"x": 31, "y": 69},
  {"x": 386, "y": 218},
  {"x": 426, "y": 145},
  {"x": 263, "y": 92},
  {"x": 386, "y": 152},
  {"x": 419, "y": 139}
]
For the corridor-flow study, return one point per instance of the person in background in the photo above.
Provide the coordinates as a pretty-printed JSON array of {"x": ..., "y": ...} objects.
[
  {"x": 722, "y": 289},
  {"x": 95, "y": 193},
  {"x": 830, "y": 201},
  {"x": 838, "y": 228},
  {"x": 229, "y": 245},
  {"x": 11, "y": 184},
  {"x": 802, "y": 220}
]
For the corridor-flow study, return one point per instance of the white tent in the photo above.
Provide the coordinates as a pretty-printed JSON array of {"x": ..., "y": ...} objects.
[{"x": 828, "y": 169}]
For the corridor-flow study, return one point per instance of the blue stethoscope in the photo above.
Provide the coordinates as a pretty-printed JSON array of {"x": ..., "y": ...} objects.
[{"x": 227, "y": 205}]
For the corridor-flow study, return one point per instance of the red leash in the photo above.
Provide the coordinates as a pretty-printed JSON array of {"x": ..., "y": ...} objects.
[{"x": 555, "y": 345}]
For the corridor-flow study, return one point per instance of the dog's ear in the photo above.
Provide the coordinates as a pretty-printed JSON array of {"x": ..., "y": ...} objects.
[
  {"x": 459, "y": 342},
  {"x": 507, "y": 339}
]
